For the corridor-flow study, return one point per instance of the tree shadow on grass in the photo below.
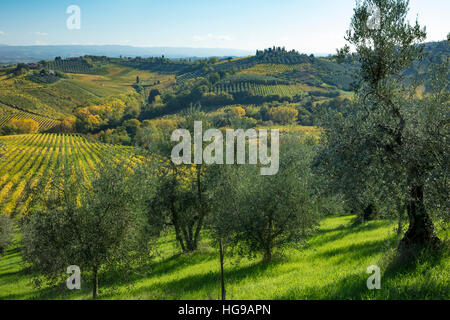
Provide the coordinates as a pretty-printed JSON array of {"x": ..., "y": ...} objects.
[
  {"x": 349, "y": 287},
  {"x": 210, "y": 281},
  {"x": 354, "y": 287},
  {"x": 353, "y": 251},
  {"x": 207, "y": 282},
  {"x": 393, "y": 286},
  {"x": 343, "y": 230},
  {"x": 49, "y": 293},
  {"x": 410, "y": 261},
  {"x": 180, "y": 261},
  {"x": 108, "y": 281}
]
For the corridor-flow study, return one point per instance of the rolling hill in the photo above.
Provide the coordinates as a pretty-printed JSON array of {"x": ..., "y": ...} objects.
[
  {"x": 51, "y": 90},
  {"x": 94, "y": 90}
]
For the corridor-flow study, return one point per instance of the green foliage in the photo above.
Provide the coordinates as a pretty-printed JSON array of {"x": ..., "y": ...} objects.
[
  {"x": 180, "y": 199},
  {"x": 153, "y": 94},
  {"x": 96, "y": 228},
  {"x": 109, "y": 114},
  {"x": 283, "y": 115},
  {"x": 46, "y": 77},
  {"x": 258, "y": 214},
  {"x": 21, "y": 68},
  {"x": 384, "y": 144},
  {"x": 6, "y": 234}
]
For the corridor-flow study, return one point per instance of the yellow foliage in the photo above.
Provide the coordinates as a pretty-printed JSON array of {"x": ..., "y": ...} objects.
[
  {"x": 238, "y": 111},
  {"x": 162, "y": 124},
  {"x": 68, "y": 124},
  {"x": 283, "y": 115},
  {"x": 25, "y": 125}
]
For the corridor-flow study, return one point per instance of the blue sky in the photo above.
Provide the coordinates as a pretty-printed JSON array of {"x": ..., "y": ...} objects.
[{"x": 314, "y": 26}]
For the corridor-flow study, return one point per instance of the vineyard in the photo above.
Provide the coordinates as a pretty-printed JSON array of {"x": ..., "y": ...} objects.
[
  {"x": 181, "y": 79},
  {"x": 259, "y": 89},
  {"x": 31, "y": 163},
  {"x": 272, "y": 69},
  {"x": 70, "y": 66},
  {"x": 257, "y": 79},
  {"x": 57, "y": 100},
  {"x": 8, "y": 113}
]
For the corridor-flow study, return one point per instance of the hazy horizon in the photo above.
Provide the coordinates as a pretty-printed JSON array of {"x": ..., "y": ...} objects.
[{"x": 308, "y": 27}]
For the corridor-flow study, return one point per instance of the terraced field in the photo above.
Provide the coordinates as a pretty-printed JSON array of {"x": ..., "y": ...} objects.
[{"x": 31, "y": 164}]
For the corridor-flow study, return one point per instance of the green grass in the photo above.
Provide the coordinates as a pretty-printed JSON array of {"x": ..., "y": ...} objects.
[{"x": 332, "y": 266}]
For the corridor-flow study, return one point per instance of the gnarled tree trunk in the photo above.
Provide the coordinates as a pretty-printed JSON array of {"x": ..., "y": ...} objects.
[{"x": 421, "y": 229}]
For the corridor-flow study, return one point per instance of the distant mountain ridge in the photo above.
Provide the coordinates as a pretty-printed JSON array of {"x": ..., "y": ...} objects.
[{"x": 16, "y": 54}]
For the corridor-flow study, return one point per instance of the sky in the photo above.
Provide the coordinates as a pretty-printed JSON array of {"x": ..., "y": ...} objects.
[{"x": 309, "y": 26}]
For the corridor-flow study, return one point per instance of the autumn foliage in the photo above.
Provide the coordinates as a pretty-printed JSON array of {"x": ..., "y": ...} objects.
[
  {"x": 24, "y": 125},
  {"x": 283, "y": 115}
]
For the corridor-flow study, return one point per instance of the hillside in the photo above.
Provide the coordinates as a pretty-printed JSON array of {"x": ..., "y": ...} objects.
[
  {"x": 7, "y": 113},
  {"x": 218, "y": 183},
  {"x": 332, "y": 266},
  {"x": 109, "y": 102},
  {"x": 30, "y": 92},
  {"x": 52, "y": 90},
  {"x": 33, "y": 161}
]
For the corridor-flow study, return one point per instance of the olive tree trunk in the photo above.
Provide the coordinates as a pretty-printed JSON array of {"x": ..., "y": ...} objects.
[
  {"x": 95, "y": 282},
  {"x": 421, "y": 229},
  {"x": 222, "y": 276}
]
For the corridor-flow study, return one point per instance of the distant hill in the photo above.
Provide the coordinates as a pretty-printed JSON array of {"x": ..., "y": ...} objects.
[
  {"x": 56, "y": 87},
  {"x": 16, "y": 54}
]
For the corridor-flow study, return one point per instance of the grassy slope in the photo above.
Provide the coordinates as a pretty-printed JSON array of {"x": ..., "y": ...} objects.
[
  {"x": 57, "y": 100},
  {"x": 332, "y": 267},
  {"x": 121, "y": 77}
]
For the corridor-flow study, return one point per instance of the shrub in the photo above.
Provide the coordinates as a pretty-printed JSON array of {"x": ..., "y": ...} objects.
[
  {"x": 237, "y": 111},
  {"x": 68, "y": 125},
  {"x": 283, "y": 115}
]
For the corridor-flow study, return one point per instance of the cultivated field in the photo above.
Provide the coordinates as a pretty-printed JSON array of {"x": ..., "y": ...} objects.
[
  {"x": 8, "y": 113},
  {"x": 31, "y": 162},
  {"x": 259, "y": 89}
]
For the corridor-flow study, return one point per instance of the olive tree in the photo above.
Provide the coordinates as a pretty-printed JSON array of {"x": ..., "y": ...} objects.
[
  {"x": 259, "y": 214},
  {"x": 179, "y": 200},
  {"x": 98, "y": 227},
  {"x": 224, "y": 197},
  {"x": 387, "y": 144}
]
